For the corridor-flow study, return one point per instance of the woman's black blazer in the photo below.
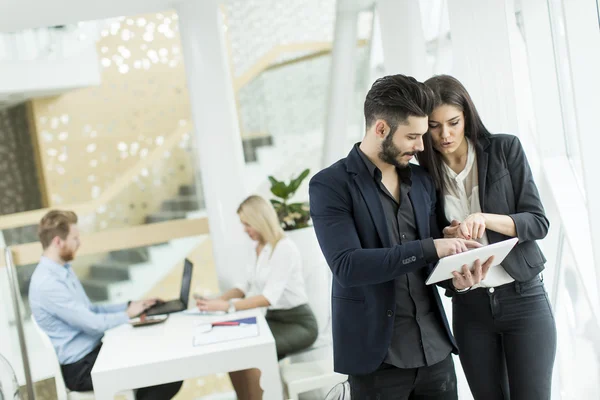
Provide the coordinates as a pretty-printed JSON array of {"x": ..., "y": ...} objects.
[{"x": 506, "y": 187}]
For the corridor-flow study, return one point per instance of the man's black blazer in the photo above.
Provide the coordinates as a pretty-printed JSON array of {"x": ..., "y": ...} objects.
[
  {"x": 350, "y": 225},
  {"x": 506, "y": 187}
]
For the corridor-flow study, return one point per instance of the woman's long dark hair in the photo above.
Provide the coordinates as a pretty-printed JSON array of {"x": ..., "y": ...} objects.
[{"x": 448, "y": 90}]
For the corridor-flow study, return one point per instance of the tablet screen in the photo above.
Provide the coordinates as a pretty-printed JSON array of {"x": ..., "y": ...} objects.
[{"x": 444, "y": 268}]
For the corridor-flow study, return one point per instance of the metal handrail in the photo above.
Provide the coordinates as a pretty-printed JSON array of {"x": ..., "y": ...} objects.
[{"x": 16, "y": 300}]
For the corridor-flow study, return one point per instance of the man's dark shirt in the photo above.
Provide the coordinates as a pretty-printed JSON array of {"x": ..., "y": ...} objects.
[{"x": 419, "y": 337}]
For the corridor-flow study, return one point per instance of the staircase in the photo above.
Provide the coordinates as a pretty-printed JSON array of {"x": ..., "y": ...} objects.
[{"x": 112, "y": 278}]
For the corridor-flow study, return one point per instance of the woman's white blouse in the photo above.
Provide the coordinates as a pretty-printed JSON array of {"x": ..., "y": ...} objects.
[
  {"x": 461, "y": 199},
  {"x": 277, "y": 275}
]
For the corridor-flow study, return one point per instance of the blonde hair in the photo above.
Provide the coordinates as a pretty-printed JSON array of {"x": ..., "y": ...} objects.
[
  {"x": 55, "y": 223},
  {"x": 260, "y": 215}
]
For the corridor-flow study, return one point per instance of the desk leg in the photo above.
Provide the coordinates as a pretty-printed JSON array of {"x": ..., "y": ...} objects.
[
  {"x": 270, "y": 380},
  {"x": 103, "y": 389}
]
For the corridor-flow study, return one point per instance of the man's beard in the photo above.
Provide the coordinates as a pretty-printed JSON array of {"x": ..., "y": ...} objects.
[
  {"x": 390, "y": 154},
  {"x": 67, "y": 255}
]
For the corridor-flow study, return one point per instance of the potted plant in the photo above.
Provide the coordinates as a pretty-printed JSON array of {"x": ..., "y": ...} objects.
[
  {"x": 295, "y": 219},
  {"x": 291, "y": 215}
]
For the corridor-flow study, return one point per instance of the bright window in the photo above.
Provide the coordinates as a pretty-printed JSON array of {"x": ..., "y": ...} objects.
[
  {"x": 565, "y": 83},
  {"x": 578, "y": 355}
]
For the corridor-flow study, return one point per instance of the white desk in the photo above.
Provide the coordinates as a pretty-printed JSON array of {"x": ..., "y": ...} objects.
[{"x": 152, "y": 355}]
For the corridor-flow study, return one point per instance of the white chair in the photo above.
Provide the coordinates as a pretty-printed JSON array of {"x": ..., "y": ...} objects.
[
  {"x": 312, "y": 368},
  {"x": 304, "y": 377},
  {"x": 62, "y": 393}
]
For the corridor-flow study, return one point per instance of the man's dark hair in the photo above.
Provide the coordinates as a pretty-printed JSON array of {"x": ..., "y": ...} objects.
[{"x": 394, "y": 98}]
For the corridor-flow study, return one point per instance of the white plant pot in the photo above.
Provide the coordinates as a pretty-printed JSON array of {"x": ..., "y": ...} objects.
[
  {"x": 306, "y": 240},
  {"x": 317, "y": 280}
]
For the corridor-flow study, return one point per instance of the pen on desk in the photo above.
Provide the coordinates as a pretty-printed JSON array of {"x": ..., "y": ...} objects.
[{"x": 226, "y": 323}]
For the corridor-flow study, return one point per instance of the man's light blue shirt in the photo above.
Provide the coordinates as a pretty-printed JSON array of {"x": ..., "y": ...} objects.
[{"x": 62, "y": 310}]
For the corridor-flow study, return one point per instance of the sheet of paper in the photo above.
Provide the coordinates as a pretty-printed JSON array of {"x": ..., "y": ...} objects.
[
  {"x": 195, "y": 311},
  {"x": 205, "y": 333}
]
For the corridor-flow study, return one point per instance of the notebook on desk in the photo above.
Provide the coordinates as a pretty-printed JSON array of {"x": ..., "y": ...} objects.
[{"x": 216, "y": 332}]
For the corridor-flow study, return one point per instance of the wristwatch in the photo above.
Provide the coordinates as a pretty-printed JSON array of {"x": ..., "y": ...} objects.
[{"x": 231, "y": 308}]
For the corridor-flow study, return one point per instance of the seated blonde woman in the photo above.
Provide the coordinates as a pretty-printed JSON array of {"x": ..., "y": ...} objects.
[{"x": 275, "y": 281}]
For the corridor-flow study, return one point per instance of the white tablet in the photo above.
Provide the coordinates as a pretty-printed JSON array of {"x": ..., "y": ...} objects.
[{"x": 444, "y": 268}]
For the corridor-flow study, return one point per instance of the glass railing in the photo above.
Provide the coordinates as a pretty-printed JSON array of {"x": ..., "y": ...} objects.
[{"x": 55, "y": 42}]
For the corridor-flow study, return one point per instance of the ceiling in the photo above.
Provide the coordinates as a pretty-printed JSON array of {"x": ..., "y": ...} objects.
[{"x": 17, "y": 15}]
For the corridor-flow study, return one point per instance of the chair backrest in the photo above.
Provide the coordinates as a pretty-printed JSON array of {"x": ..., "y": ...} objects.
[
  {"x": 9, "y": 387},
  {"x": 61, "y": 389},
  {"x": 317, "y": 277},
  {"x": 341, "y": 391}
]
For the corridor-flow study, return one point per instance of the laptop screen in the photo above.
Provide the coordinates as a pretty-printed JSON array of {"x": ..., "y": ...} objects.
[{"x": 186, "y": 282}]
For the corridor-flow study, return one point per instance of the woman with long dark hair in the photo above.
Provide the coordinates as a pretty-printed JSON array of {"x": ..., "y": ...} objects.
[{"x": 504, "y": 325}]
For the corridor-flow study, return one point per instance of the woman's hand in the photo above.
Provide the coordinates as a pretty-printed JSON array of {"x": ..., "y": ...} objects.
[
  {"x": 453, "y": 231},
  {"x": 212, "y": 305},
  {"x": 473, "y": 227}
]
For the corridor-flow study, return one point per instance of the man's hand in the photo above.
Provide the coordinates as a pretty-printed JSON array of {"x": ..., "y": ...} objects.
[
  {"x": 468, "y": 278},
  {"x": 449, "y": 247},
  {"x": 136, "y": 308},
  {"x": 212, "y": 305},
  {"x": 453, "y": 231}
]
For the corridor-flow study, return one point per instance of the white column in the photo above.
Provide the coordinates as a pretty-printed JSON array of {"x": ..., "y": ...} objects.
[
  {"x": 482, "y": 35},
  {"x": 402, "y": 38},
  {"x": 343, "y": 74},
  {"x": 583, "y": 36},
  {"x": 218, "y": 142}
]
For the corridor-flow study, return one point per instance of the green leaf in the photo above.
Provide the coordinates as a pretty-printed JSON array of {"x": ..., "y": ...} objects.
[
  {"x": 297, "y": 207},
  {"x": 273, "y": 181},
  {"x": 280, "y": 190},
  {"x": 295, "y": 183}
]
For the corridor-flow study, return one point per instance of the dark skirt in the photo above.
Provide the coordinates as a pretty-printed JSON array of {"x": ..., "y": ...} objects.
[{"x": 294, "y": 329}]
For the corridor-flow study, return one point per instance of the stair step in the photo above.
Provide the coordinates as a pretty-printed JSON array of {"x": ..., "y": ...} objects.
[
  {"x": 187, "y": 190},
  {"x": 20, "y": 235},
  {"x": 250, "y": 145},
  {"x": 105, "y": 289},
  {"x": 165, "y": 216},
  {"x": 134, "y": 255},
  {"x": 24, "y": 273},
  {"x": 181, "y": 203},
  {"x": 96, "y": 289},
  {"x": 110, "y": 270}
]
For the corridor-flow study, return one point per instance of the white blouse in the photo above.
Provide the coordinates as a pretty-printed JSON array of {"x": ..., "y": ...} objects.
[
  {"x": 461, "y": 199},
  {"x": 277, "y": 275}
]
